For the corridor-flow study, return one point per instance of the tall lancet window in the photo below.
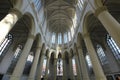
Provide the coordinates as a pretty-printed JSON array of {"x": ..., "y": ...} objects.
[
  {"x": 44, "y": 67},
  {"x": 53, "y": 38},
  {"x": 65, "y": 38},
  {"x": 59, "y": 66},
  {"x": 87, "y": 57},
  {"x": 74, "y": 66},
  {"x": 113, "y": 46},
  {"x": 101, "y": 55},
  {"x": 59, "y": 38},
  {"x": 5, "y": 44}
]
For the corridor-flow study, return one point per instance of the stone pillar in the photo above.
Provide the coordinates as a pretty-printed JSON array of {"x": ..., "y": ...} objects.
[
  {"x": 39, "y": 73},
  {"x": 22, "y": 60},
  {"x": 64, "y": 69},
  {"x": 99, "y": 74},
  {"x": 47, "y": 68},
  {"x": 71, "y": 67},
  {"x": 77, "y": 64},
  {"x": 78, "y": 68},
  {"x": 79, "y": 50},
  {"x": 84, "y": 70},
  {"x": 55, "y": 68},
  {"x": 35, "y": 62},
  {"x": 7, "y": 23},
  {"x": 109, "y": 22}
]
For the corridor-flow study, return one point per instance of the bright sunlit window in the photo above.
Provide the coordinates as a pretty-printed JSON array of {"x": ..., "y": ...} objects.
[
  {"x": 88, "y": 60},
  {"x": 44, "y": 67},
  {"x": 101, "y": 55},
  {"x": 59, "y": 38},
  {"x": 59, "y": 67},
  {"x": 5, "y": 43},
  {"x": 74, "y": 67},
  {"x": 30, "y": 58},
  {"x": 53, "y": 38},
  {"x": 17, "y": 52},
  {"x": 65, "y": 38},
  {"x": 113, "y": 46}
]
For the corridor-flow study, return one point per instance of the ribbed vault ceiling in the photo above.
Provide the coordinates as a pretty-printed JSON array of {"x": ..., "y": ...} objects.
[{"x": 60, "y": 14}]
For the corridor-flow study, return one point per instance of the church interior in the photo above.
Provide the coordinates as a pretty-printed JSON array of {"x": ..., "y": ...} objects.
[{"x": 59, "y": 39}]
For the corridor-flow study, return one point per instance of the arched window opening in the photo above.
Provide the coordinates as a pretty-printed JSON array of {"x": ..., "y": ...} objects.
[
  {"x": 15, "y": 59},
  {"x": 74, "y": 66},
  {"x": 30, "y": 57},
  {"x": 88, "y": 61},
  {"x": 101, "y": 55},
  {"x": 59, "y": 67},
  {"x": 5, "y": 44},
  {"x": 44, "y": 68},
  {"x": 65, "y": 38},
  {"x": 113, "y": 46},
  {"x": 53, "y": 38},
  {"x": 59, "y": 38},
  {"x": 28, "y": 64},
  {"x": 18, "y": 51}
]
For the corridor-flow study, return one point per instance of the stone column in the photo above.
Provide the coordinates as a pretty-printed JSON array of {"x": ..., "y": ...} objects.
[
  {"x": 84, "y": 70},
  {"x": 99, "y": 74},
  {"x": 64, "y": 69},
  {"x": 71, "y": 67},
  {"x": 39, "y": 73},
  {"x": 109, "y": 22},
  {"x": 17, "y": 73},
  {"x": 55, "y": 68},
  {"x": 7, "y": 23},
  {"x": 35, "y": 62},
  {"x": 77, "y": 66},
  {"x": 47, "y": 68}
]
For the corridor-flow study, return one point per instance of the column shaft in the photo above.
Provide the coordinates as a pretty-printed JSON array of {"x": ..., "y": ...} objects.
[
  {"x": 85, "y": 74},
  {"x": 55, "y": 68},
  {"x": 99, "y": 74},
  {"x": 64, "y": 70},
  {"x": 39, "y": 74},
  {"x": 7, "y": 23},
  {"x": 34, "y": 65},
  {"x": 111, "y": 25},
  {"x": 77, "y": 68},
  {"x": 71, "y": 69},
  {"x": 47, "y": 68},
  {"x": 22, "y": 60}
]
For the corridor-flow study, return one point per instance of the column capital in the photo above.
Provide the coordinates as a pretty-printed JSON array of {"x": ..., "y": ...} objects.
[
  {"x": 14, "y": 10},
  {"x": 99, "y": 10},
  {"x": 31, "y": 36}
]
